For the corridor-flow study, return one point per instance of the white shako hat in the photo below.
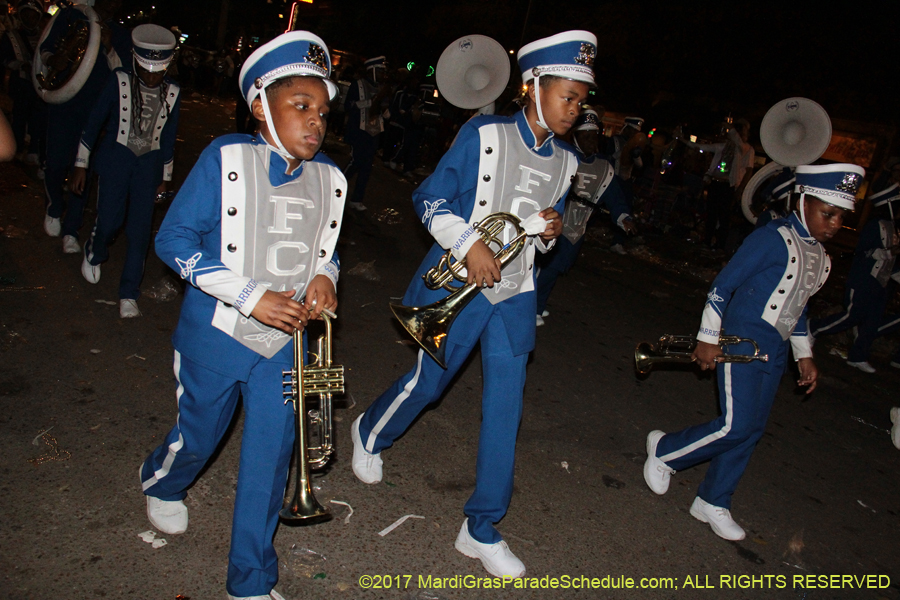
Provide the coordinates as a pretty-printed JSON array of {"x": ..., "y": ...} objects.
[
  {"x": 835, "y": 184},
  {"x": 291, "y": 54},
  {"x": 635, "y": 122},
  {"x": 888, "y": 196},
  {"x": 569, "y": 55},
  {"x": 588, "y": 120},
  {"x": 154, "y": 47}
]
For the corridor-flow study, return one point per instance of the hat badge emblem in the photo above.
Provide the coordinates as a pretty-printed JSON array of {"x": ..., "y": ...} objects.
[
  {"x": 154, "y": 54},
  {"x": 316, "y": 55},
  {"x": 258, "y": 83},
  {"x": 849, "y": 184},
  {"x": 586, "y": 54}
]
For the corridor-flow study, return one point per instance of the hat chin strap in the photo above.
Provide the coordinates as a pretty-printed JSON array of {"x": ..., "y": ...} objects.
[
  {"x": 279, "y": 147},
  {"x": 801, "y": 207},
  {"x": 537, "y": 101}
]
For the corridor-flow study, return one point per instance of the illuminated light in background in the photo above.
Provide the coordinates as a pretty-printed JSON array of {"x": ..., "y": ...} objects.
[
  {"x": 436, "y": 94},
  {"x": 694, "y": 139},
  {"x": 430, "y": 72},
  {"x": 410, "y": 65},
  {"x": 651, "y": 133}
]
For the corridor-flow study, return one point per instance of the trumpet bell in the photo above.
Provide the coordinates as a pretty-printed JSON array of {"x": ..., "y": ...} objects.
[{"x": 304, "y": 509}]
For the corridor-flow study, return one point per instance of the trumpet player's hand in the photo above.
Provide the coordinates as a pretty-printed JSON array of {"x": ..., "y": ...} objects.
[
  {"x": 281, "y": 311},
  {"x": 706, "y": 355},
  {"x": 77, "y": 180},
  {"x": 554, "y": 224},
  {"x": 481, "y": 266},
  {"x": 320, "y": 293},
  {"x": 809, "y": 374}
]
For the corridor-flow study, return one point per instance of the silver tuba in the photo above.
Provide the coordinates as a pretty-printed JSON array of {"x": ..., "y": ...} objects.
[
  {"x": 322, "y": 379},
  {"x": 430, "y": 324},
  {"x": 796, "y": 131},
  {"x": 80, "y": 45}
]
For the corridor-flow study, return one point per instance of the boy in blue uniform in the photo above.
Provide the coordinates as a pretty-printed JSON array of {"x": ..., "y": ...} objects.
[
  {"x": 510, "y": 164},
  {"x": 761, "y": 295},
  {"x": 253, "y": 230},
  {"x": 595, "y": 184},
  {"x": 867, "y": 292},
  {"x": 139, "y": 111}
]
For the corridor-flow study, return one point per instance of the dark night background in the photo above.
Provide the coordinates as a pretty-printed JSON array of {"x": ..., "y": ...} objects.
[{"x": 669, "y": 62}]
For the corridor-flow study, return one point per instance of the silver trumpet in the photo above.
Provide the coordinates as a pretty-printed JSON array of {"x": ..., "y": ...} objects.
[
  {"x": 679, "y": 348},
  {"x": 430, "y": 324},
  {"x": 323, "y": 379}
]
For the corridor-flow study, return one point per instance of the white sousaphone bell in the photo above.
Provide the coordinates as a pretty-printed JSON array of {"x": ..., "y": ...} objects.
[
  {"x": 81, "y": 45},
  {"x": 472, "y": 72},
  {"x": 796, "y": 131}
]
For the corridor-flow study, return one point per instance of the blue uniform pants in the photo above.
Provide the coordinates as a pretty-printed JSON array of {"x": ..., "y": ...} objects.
[
  {"x": 864, "y": 305},
  {"x": 746, "y": 393},
  {"x": 362, "y": 152},
  {"x": 553, "y": 264},
  {"x": 126, "y": 194},
  {"x": 206, "y": 404},
  {"x": 64, "y": 126},
  {"x": 501, "y": 404}
]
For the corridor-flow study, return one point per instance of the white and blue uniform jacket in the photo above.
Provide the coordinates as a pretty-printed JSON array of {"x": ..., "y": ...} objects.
[
  {"x": 494, "y": 165},
  {"x": 595, "y": 184},
  {"x": 112, "y": 112},
  {"x": 763, "y": 291},
  {"x": 239, "y": 226}
]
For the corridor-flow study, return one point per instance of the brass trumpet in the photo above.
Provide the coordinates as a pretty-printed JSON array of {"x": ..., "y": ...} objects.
[
  {"x": 429, "y": 324},
  {"x": 322, "y": 379},
  {"x": 679, "y": 348}
]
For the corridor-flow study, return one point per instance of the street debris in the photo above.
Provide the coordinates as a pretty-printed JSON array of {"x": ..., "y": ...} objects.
[
  {"x": 887, "y": 431},
  {"x": 349, "y": 508},
  {"x": 53, "y": 452},
  {"x": 102, "y": 301},
  {"x": 864, "y": 505},
  {"x": 95, "y": 351},
  {"x": 136, "y": 356},
  {"x": 150, "y": 538},
  {"x": 163, "y": 290},
  {"x": 565, "y": 466},
  {"x": 389, "y": 215},
  {"x": 397, "y": 524},
  {"x": 303, "y": 562},
  {"x": 366, "y": 270}
]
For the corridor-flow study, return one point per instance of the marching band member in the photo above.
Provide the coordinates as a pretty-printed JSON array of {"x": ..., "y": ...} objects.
[
  {"x": 67, "y": 120},
  {"x": 139, "y": 111},
  {"x": 761, "y": 294},
  {"x": 253, "y": 231},
  {"x": 364, "y": 126},
  {"x": 866, "y": 295},
  {"x": 510, "y": 164},
  {"x": 595, "y": 184}
]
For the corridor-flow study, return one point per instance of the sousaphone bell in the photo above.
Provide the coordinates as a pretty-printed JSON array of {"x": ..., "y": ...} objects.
[
  {"x": 472, "y": 72},
  {"x": 80, "y": 46}
]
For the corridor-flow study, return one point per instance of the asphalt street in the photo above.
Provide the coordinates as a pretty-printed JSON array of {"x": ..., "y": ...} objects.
[{"x": 85, "y": 396}]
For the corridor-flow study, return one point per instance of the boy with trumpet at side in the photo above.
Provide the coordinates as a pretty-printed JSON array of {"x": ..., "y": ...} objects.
[
  {"x": 497, "y": 164},
  {"x": 253, "y": 230},
  {"x": 762, "y": 295}
]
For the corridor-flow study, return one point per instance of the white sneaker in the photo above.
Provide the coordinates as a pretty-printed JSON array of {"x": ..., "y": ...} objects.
[
  {"x": 497, "y": 558},
  {"x": 128, "y": 309},
  {"x": 52, "y": 226},
  {"x": 71, "y": 245},
  {"x": 863, "y": 366},
  {"x": 168, "y": 517},
  {"x": 539, "y": 320},
  {"x": 272, "y": 595},
  {"x": 656, "y": 473},
  {"x": 546, "y": 313},
  {"x": 366, "y": 466},
  {"x": 357, "y": 206},
  {"x": 618, "y": 249},
  {"x": 895, "y": 430},
  {"x": 895, "y": 364},
  {"x": 91, "y": 272},
  {"x": 718, "y": 518}
]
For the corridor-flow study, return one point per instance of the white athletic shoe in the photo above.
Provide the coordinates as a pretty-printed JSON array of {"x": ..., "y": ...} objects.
[
  {"x": 272, "y": 595},
  {"x": 618, "y": 249},
  {"x": 497, "y": 558},
  {"x": 71, "y": 245},
  {"x": 863, "y": 366},
  {"x": 546, "y": 313},
  {"x": 52, "y": 226},
  {"x": 718, "y": 518},
  {"x": 168, "y": 517},
  {"x": 91, "y": 272},
  {"x": 895, "y": 430},
  {"x": 128, "y": 309},
  {"x": 538, "y": 321},
  {"x": 366, "y": 466},
  {"x": 656, "y": 473}
]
